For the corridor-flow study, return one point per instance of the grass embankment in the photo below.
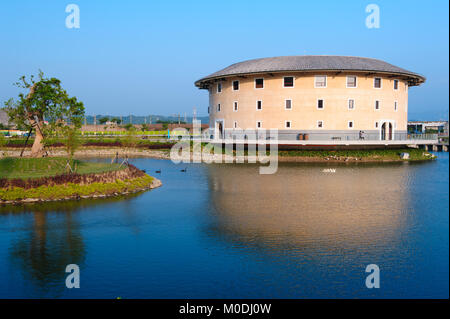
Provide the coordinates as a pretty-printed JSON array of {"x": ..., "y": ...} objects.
[
  {"x": 18, "y": 142},
  {"x": 48, "y": 166},
  {"x": 391, "y": 155},
  {"x": 43, "y": 179},
  {"x": 374, "y": 155}
]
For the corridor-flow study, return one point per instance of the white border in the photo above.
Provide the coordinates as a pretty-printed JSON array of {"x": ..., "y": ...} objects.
[
  {"x": 232, "y": 85},
  {"x": 326, "y": 81},
  {"x": 285, "y": 104},
  {"x": 254, "y": 83},
  {"x": 398, "y": 84},
  {"x": 323, "y": 104},
  {"x": 317, "y": 124},
  {"x": 348, "y": 104},
  {"x": 293, "y": 82},
  {"x": 381, "y": 82},
  {"x": 234, "y": 108},
  {"x": 381, "y": 122},
  {"x": 258, "y": 128},
  {"x": 257, "y": 105},
  {"x": 216, "y": 128},
  {"x": 285, "y": 124},
  {"x": 217, "y": 87},
  {"x": 356, "y": 82},
  {"x": 353, "y": 125},
  {"x": 375, "y": 105}
]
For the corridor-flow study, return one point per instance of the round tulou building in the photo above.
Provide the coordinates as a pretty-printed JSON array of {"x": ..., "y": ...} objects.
[{"x": 333, "y": 99}]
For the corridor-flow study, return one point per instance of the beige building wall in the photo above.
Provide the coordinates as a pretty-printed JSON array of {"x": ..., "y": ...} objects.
[{"x": 304, "y": 114}]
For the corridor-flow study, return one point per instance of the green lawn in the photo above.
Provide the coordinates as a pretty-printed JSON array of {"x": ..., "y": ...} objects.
[
  {"x": 384, "y": 154},
  {"x": 48, "y": 166}
]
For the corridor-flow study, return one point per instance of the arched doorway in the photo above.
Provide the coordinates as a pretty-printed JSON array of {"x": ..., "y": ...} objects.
[
  {"x": 390, "y": 131},
  {"x": 220, "y": 130},
  {"x": 219, "y": 133},
  {"x": 387, "y": 130}
]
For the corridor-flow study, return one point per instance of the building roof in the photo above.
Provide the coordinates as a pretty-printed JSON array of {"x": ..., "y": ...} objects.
[{"x": 309, "y": 63}]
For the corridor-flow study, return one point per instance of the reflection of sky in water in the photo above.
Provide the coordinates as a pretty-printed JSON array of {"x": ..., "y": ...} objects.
[{"x": 226, "y": 231}]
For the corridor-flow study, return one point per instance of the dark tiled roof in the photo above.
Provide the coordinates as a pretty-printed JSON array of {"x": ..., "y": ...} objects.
[{"x": 311, "y": 63}]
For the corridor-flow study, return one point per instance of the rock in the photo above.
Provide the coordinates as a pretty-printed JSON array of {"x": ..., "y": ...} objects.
[{"x": 404, "y": 156}]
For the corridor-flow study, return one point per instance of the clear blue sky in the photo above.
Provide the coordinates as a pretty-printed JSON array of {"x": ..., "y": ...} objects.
[{"x": 142, "y": 57}]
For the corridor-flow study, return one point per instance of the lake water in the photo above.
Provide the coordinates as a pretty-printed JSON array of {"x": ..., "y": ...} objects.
[{"x": 224, "y": 231}]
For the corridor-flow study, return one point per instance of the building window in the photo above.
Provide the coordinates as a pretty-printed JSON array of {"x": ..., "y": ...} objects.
[
  {"x": 235, "y": 124},
  {"x": 259, "y": 105},
  {"x": 218, "y": 107},
  {"x": 319, "y": 124},
  {"x": 219, "y": 87},
  {"x": 259, "y": 83},
  {"x": 320, "y": 104},
  {"x": 320, "y": 81},
  {"x": 351, "y": 104},
  {"x": 376, "y": 124},
  {"x": 377, "y": 83},
  {"x": 377, "y": 105},
  {"x": 235, "y": 106},
  {"x": 395, "y": 84},
  {"x": 350, "y": 124},
  {"x": 351, "y": 81},
  {"x": 395, "y": 106},
  {"x": 235, "y": 85},
  {"x": 208, "y": 109},
  {"x": 287, "y": 124},
  {"x": 258, "y": 124},
  {"x": 288, "y": 82},
  {"x": 288, "y": 104}
]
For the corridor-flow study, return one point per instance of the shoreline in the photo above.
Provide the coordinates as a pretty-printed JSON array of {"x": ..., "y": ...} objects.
[
  {"x": 110, "y": 152},
  {"x": 155, "y": 184}
]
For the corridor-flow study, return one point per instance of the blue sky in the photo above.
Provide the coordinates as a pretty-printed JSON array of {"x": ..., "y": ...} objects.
[{"x": 142, "y": 57}]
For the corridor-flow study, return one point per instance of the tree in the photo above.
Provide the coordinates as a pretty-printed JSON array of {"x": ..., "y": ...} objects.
[
  {"x": 103, "y": 120},
  {"x": 71, "y": 140},
  {"x": 2, "y": 140},
  {"x": 128, "y": 126},
  {"x": 45, "y": 99}
]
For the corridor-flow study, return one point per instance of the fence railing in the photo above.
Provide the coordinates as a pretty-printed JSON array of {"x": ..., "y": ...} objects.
[{"x": 327, "y": 137}]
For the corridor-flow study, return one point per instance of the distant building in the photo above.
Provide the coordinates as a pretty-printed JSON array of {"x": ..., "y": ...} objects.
[
  {"x": 428, "y": 126},
  {"x": 324, "y": 97},
  {"x": 4, "y": 118}
]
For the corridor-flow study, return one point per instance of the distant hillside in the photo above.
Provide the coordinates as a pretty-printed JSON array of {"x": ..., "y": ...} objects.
[{"x": 150, "y": 119}]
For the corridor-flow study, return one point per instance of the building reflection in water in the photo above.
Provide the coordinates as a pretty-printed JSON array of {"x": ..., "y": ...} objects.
[{"x": 359, "y": 207}]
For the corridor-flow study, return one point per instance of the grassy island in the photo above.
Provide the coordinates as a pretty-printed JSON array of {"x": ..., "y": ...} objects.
[{"x": 48, "y": 179}]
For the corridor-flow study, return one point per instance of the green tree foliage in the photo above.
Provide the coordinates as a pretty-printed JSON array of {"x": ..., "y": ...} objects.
[
  {"x": 2, "y": 141},
  {"x": 46, "y": 99},
  {"x": 103, "y": 120}
]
